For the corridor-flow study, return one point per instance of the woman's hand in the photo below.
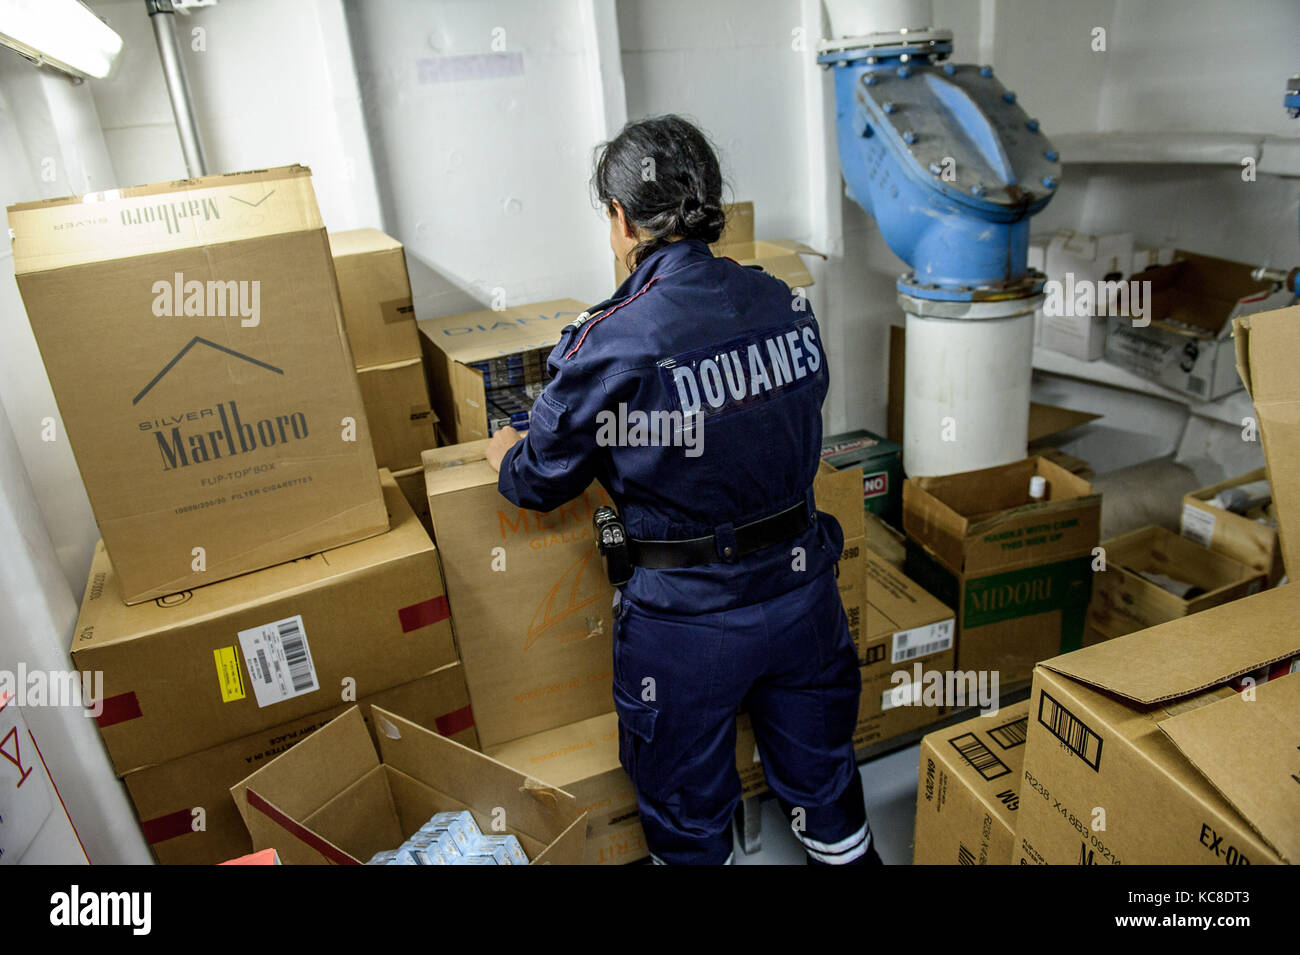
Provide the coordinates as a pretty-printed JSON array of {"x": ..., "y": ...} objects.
[{"x": 501, "y": 442}]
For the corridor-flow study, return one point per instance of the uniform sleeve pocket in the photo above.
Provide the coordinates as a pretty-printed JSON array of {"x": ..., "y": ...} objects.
[{"x": 548, "y": 410}]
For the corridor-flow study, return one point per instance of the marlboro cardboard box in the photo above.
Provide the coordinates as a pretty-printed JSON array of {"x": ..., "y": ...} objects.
[
  {"x": 375, "y": 292},
  {"x": 1248, "y": 538},
  {"x": 340, "y": 796},
  {"x": 402, "y": 423},
  {"x": 469, "y": 355},
  {"x": 214, "y": 664},
  {"x": 1174, "y": 745},
  {"x": 530, "y": 601},
  {"x": 184, "y": 806},
  {"x": 1153, "y": 575},
  {"x": 193, "y": 337},
  {"x": 1017, "y": 572},
  {"x": 968, "y": 792}
]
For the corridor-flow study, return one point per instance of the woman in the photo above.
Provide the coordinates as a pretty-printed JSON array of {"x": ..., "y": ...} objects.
[{"x": 733, "y": 597}]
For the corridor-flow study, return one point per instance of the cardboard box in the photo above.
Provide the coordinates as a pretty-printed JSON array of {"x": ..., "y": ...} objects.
[
  {"x": 903, "y": 622},
  {"x": 193, "y": 336},
  {"x": 582, "y": 759},
  {"x": 203, "y": 667},
  {"x": 1017, "y": 573},
  {"x": 1072, "y": 259},
  {"x": 401, "y": 419},
  {"x": 184, "y": 806},
  {"x": 1249, "y": 541},
  {"x": 1145, "y": 736},
  {"x": 837, "y": 493},
  {"x": 452, "y": 344},
  {"x": 530, "y": 602},
  {"x": 1266, "y": 346},
  {"x": 778, "y": 257},
  {"x": 880, "y": 462},
  {"x": 1187, "y": 346},
  {"x": 336, "y": 799},
  {"x": 1123, "y": 600},
  {"x": 376, "y": 296},
  {"x": 968, "y": 792},
  {"x": 411, "y": 484}
]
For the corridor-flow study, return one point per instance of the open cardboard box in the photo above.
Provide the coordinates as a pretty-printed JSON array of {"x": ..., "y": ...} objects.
[
  {"x": 335, "y": 799},
  {"x": 451, "y": 343},
  {"x": 1123, "y": 600},
  {"x": 1150, "y": 728},
  {"x": 1017, "y": 572},
  {"x": 1187, "y": 345},
  {"x": 778, "y": 257},
  {"x": 1252, "y": 542}
]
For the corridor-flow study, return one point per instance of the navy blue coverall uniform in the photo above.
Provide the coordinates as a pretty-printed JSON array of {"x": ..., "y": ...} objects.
[{"x": 740, "y": 358}]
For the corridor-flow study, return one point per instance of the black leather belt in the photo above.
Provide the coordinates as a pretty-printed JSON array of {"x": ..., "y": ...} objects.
[{"x": 751, "y": 537}]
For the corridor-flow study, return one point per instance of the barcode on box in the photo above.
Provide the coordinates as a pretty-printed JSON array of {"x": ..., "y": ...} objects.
[
  {"x": 1010, "y": 735},
  {"x": 921, "y": 641},
  {"x": 279, "y": 657},
  {"x": 964, "y": 855},
  {"x": 1070, "y": 730},
  {"x": 982, "y": 759}
]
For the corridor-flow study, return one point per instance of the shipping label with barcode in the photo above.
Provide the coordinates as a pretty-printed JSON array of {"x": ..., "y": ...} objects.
[
  {"x": 1077, "y": 736},
  {"x": 279, "y": 661},
  {"x": 1197, "y": 524},
  {"x": 922, "y": 641}
]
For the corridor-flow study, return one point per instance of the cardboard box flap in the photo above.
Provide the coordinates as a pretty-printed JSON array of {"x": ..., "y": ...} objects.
[
  {"x": 457, "y": 467},
  {"x": 1047, "y": 420},
  {"x": 478, "y": 336},
  {"x": 1266, "y": 347},
  {"x": 479, "y": 780},
  {"x": 361, "y": 242},
  {"x": 299, "y": 782},
  {"x": 1193, "y": 653},
  {"x": 143, "y": 220},
  {"x": 1246, "y": 749}
]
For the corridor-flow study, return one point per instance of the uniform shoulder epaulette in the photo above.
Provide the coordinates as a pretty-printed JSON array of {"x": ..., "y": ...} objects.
[{"x": 591, "y": 318}]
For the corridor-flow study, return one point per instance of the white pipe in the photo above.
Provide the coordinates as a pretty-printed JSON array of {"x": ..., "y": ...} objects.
[
  {"x": 162, "y": 17},
  {"x": 857, "y": 17},
  {"x": 966, "y": 402}
]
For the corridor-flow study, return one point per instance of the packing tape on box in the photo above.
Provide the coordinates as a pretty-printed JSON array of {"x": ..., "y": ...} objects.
[
  {"x": 119, "y": 709},
  {"x": 300, "y": 832},
  {"x": 544, "y": 794},
  {"x": 423, "y": 614},
  {"x": 173, "y": 824}
]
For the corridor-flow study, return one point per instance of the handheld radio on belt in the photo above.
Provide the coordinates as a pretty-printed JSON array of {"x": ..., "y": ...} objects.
[{"x": 611, "y": 540}]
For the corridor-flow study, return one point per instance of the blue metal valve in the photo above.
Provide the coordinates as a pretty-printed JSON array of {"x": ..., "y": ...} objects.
[{"x": 953, "y": 172}]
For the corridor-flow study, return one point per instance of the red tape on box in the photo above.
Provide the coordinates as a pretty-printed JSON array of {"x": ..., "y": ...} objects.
[
  {"x": 422, "y": 614},
  {"x": 161, "y": 828},
  {"x": 119, "y": 709},
  {"x": 299, "y": 831},
  {"x": 449, "y": 724}
]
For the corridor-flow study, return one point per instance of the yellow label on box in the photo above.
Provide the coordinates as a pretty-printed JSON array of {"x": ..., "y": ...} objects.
[{"x": 229, "y": 675}]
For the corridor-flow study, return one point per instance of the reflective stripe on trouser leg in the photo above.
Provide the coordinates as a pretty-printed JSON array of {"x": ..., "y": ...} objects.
[{"x": 838, "y": 833}]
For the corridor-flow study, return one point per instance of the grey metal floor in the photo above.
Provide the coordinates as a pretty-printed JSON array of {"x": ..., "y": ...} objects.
[{"x": 889, "y": 783}]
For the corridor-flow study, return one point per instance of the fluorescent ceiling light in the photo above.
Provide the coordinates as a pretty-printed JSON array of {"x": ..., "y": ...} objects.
[{"x": 61, "y": 33}]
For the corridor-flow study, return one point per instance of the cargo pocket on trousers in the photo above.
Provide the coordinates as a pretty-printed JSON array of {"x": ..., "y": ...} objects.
[{"x": 636, "y": 730}]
